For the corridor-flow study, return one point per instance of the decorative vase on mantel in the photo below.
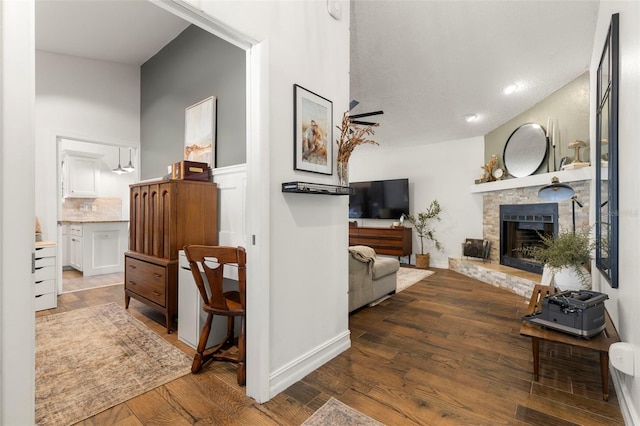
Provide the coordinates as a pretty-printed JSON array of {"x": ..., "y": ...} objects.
[{"x": 343, "y": 173}]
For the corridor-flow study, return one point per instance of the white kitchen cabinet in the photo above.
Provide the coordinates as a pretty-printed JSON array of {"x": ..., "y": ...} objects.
[
  {"x": 80, "y": 176},
  {"x": 75, "y": 246},
  {"x": 64, "y": 251},
  {"x": 45, "y": 272},
  {"x": 98, "y": 247}
]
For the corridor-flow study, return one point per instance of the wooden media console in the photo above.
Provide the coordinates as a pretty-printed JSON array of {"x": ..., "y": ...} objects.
[{"x": 389, "y": 241}]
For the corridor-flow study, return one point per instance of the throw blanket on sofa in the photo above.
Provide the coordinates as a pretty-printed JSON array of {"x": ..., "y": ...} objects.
[{"x": 362, "y": 253}]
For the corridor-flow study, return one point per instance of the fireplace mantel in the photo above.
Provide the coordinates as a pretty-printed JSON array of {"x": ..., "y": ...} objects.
[{"x": 565, "y": 176}]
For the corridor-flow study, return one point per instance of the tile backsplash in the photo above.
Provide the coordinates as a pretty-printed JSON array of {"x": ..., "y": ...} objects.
[{"x": 103, "y": 208}]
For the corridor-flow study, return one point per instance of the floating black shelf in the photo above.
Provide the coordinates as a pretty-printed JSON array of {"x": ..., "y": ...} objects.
[{"x": 315, "y": 188}]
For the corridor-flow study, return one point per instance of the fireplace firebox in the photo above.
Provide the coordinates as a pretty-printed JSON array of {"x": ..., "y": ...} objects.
[{"x": 521, "y": 226}]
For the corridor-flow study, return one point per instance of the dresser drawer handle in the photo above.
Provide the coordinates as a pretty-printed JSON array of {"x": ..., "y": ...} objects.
[
  {"x": 157, "y": 275},
  {"x": 157, "y": 293},
  {"x": 132, "y": 267},
  {"x": 132, "y": 283}
]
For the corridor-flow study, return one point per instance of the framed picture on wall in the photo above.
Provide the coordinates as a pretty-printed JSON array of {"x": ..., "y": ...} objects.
[
  {"x": 313, "y": 136},
  {"x": 200, "y": 132}
]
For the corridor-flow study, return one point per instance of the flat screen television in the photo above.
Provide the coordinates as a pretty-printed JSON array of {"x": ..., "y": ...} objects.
[{"x": 379, "y": 199}]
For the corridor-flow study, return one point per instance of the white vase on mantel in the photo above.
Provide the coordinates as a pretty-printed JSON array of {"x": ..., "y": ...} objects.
[{"x": 566, "y": 278}]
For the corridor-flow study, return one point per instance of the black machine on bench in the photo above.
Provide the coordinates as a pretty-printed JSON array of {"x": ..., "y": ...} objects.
[{"x": 577, "y": 312}]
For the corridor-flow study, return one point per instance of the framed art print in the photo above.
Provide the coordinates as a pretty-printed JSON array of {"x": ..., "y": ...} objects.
[
  {"x": 200, "y": 132},
  {"x": 313, "y": 136}
]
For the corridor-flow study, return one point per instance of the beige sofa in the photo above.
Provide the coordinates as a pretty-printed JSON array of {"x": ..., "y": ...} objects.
[{"x": 370, "y": 276}]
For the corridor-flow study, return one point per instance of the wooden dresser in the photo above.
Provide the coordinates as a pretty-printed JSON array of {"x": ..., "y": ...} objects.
[
  {"x": 165, "y": 216},
  {"x": 389, "y": 241}
]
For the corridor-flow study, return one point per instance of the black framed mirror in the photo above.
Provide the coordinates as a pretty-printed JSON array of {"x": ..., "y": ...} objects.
[
  {"x": 606, "y": 183},
  {"x": 525, "y": 150}
]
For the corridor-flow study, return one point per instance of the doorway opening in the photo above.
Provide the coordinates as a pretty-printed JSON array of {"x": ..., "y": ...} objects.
[{"x": 93, "y": 211}]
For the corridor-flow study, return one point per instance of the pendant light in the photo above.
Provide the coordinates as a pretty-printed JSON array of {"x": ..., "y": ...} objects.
[
  {"x": 129, "y": 167},
  {"x": 119, "y": 170}
]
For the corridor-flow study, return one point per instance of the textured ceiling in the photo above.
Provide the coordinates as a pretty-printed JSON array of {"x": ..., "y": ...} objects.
[
  {"x": 429, "y": 63},
  {"x": 425, "y": 63}
]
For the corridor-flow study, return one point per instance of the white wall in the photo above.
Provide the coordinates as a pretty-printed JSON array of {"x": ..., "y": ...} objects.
[
  {"x": 307, "y": 234},
  {"x": 17, "y": 304},
  {"x": 623, "y": 302},
  {"x": 85, "y": 99},
  {"x": 444, "y": 171}
]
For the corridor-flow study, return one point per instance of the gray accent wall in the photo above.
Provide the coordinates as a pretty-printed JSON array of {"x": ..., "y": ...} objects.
[
  {"x": 192, "y": 67},
  {"x": 568, "y": 106}
]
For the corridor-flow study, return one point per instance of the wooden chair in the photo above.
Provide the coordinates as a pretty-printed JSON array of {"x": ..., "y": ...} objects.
[
  {"x": 540, "y": 291},
  {"x": 216, "y": 301}
]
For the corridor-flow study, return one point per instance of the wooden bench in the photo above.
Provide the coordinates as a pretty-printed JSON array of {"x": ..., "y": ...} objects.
[{"x": 600, "y": 342}]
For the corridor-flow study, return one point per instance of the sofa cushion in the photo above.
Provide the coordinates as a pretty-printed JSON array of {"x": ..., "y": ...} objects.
[{"x": 384, "y": 266}]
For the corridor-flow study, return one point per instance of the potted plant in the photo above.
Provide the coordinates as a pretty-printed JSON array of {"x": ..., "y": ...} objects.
[
  {"x": 422, "y": 224},
  {"x": 564, "y": 257}
]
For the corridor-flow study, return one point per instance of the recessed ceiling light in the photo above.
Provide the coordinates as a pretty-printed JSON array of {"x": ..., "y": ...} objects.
[
  {"x": 510, "y": 89},
  {"x": 470, "y": 117}
]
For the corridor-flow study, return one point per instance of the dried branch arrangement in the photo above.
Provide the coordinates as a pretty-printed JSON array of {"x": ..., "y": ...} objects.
[
  {"x": 488, "y": 168},
  {"x": 352, "y": 135}
]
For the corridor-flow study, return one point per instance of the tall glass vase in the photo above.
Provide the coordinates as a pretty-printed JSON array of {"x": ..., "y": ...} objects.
[{"x": 343, "y": 173}]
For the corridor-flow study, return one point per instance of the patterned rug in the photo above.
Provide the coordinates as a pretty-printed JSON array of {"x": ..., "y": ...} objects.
[
  {"x": 409, "y": 276},
  {"x": 335, "y": 413},
  {"x": 91, "y": 359}
]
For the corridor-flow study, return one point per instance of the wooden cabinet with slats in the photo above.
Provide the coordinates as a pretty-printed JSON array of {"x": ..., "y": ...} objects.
[
  {"x": 388, "y": 241},
  {"x": 165, "y": 216}
]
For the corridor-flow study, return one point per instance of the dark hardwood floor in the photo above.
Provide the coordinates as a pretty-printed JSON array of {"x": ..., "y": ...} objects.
[{"x": 445, "y": 351}]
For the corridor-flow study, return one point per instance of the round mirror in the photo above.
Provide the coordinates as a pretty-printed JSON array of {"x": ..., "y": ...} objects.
[{"x": 525, "y": 150}]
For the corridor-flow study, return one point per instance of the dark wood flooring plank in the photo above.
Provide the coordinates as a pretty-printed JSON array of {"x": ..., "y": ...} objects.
[
  {"x": 445, "y": 351},
  {"x": 536, "y": 417}
]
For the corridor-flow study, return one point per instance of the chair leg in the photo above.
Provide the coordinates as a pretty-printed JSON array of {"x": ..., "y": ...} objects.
[
  {"x": 242, "y": 373},
  {"x": 199, "y": 357},
  {"x": 229, "y": 339}
]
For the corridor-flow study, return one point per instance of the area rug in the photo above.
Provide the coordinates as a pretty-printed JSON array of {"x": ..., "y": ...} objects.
[
  {"x": 94, "y": 358},
  {"x": 335, "y": 413},
  {"x": 409, "y": 276}
]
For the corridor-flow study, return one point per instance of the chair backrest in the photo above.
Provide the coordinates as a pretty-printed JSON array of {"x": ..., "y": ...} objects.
[
  {"x": 211, "y": 260},
  {"x": 539, "y": 292}
]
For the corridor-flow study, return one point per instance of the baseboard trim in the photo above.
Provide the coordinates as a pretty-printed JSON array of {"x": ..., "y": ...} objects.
[
  {"x": 629, "y": 413},
  {"x": 295, "y": 370}
]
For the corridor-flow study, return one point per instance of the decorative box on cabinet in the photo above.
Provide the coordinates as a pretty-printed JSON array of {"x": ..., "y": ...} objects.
[
  {"x": 164, "y": 217},
  {"x": 388, "y": 241},
  {"x": 45, "y": 275}
]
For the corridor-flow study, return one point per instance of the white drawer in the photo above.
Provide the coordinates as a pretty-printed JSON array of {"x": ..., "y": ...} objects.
[
  {"x": 75, "y": 230},
  {"x": 45, "y": 261},
  {"x": 45, "y": 273},
  {"x": 46, "y": 286},
  {"x": 46, "y": 301},
  {"x": 45, "y": 252}
]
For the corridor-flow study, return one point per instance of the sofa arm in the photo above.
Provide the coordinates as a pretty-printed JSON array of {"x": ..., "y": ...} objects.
[{"x": 360, "y": 283}]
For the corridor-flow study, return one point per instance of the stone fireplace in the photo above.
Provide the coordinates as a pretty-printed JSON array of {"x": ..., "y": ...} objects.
[
  {"x": 528, "y": 195},
  {"x": 520, "y": 227},
  {"x": 522, "y": 192}
]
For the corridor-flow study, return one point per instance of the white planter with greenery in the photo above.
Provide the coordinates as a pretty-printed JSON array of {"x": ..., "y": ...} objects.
[{"x": 564, "y": 257}]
